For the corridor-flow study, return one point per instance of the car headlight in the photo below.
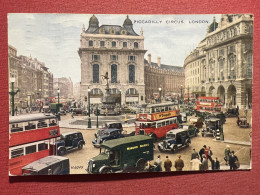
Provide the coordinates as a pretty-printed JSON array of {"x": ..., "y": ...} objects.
[
  {"x": 169, "y": 143},
  {"x": 94, "y": 165},
  {"x": 101, "y": 140}
]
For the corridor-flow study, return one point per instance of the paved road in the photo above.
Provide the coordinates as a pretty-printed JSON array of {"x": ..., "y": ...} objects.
[{"x": 235, "y": 135}]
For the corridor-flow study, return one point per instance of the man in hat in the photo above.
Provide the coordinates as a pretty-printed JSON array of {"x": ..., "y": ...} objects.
[
  {"x": 202, "y": 151},
  {"x": 204, "y": 164},
  {"x": 167, "y": 164},
  {"x": 179, "y": 164},
  {"x": 194, "y": 154}
]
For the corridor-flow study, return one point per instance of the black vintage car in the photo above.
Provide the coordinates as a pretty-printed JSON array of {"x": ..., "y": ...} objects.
[
  {"x": 232, "y": 112},
  {"x": 242, "y": 122},
  {"x": 219, "y": 115},
  {"x": 212, "y": 125},
  {"x": 69, "y": 141},
  {"x": 175, "y": 140}
]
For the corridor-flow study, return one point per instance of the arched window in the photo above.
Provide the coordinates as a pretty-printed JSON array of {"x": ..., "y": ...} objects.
[
  {"x": 124, "y": 44},
  {"x": 249, "y": 68},
  {"x": 113, "y": 44},
  {"x": 113, "y": 73},
  {"x": 212, "y": 69},
  {"x": 135, "y": 45},
  {"x": 235, "y": 31},
  {"x": 221, "y": 69},
  {"x": 232, "y": 65},
  {"x": 90, "y": 43},
  {"x": 131, "y": 74},
  {"x": 95, "y": 73}
]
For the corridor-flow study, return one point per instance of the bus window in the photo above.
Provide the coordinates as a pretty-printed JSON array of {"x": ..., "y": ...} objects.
[
  {"x": 30, "y": 126},
  {"x": 153, "y": 125},
  {"x": 159, "y": 125},
  {"x": 167, "y": 123},
  {"x": 166, "y": 108},
  {"x": 16, "y": 127},
  {"x": 17, "y": 152},
  {"x": 153, "y": 111},
  {"x": 52, "y": 122},
  {"x": 162, "y": 109},
  {"x": 42, "y": 146},
  {"x": 41, "y": 124},
  {"x": 30, "y": 149},
  {"x": 163, "y": 123},
  {"x": 171, "y": 121}
]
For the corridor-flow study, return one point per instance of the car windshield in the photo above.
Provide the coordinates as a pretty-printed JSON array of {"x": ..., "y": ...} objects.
[
  {"x": 102, "y": 132},
  {"x": 185, "y": 127},
  {"x": 28, "y": 172},
  {"x": 170, "y": 136},
  {"x": 104, "y": 151}
]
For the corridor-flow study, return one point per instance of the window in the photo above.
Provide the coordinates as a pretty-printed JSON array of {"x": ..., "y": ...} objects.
[
  {"x": 221, "y": 69},
  {"x": 159, "y": 125},
  {"x": 113, "y": 73},
  {"x": 131, "y": 58},
  {"x": 249, "y": 69},
  {"x": 17, "y": 152},
  {"x": 114, "y": 57},
  {"x": 102, "y": 43},
  {"x": 95, "y": 73},
  {"x": 42, "y": 146},
  {"x": 90, "y": 43},
  {"x": 135, "y": 45},
  {"x": 95, "y": 57},
  {"x": 124, "y": 44},
  {"x": 113, "y": 44},
  {"x": 232, "y": 64},
  {"x": 56, "y": 168},
  {"x": 131, "y": 74},
  {"x": 30, "y": 149}
]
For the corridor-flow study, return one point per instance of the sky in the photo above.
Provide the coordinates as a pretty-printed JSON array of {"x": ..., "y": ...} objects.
[{"x": 55, "y": 38}]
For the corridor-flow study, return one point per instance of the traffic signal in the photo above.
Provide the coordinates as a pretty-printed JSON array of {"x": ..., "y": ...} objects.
[
  {"x": 86, "y": 98},
  {"x": 98, "y": 112}
]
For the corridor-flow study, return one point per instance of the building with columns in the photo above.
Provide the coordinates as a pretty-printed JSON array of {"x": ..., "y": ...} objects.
[
  {"x": 167, "y": 77},
  {"x": 115, "y": 49},
  {"x": 222, "y": 64}
]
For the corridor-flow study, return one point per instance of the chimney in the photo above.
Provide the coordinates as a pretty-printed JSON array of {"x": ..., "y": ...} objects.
[
  {"x": 149, "y": 58},
  {"x": 159, "y": 61}
]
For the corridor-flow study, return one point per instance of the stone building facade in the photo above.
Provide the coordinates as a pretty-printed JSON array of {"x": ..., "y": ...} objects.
[
  {"x": 222, "y": 64},
  {"x": 115, "y": 49},
  {"x": 13, "y": 72},
  {"x": 167, "y": 77}
]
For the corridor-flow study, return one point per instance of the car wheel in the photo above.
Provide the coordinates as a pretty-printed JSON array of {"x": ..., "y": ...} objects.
[
  {"x": 174, "y": 149},
  {"x": 140, "y": 165},
  {"x": 80, "y": 146},
  {"x": 187, "y": 143},
  {"x": 106, "y": 170},
  {"x": 62, "y": 151}
]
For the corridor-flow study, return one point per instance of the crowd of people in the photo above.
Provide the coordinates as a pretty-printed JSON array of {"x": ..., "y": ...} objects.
[{"x": 199, "y": 161}]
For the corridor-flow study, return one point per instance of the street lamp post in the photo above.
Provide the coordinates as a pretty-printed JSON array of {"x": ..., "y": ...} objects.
[
  {"x": 181, "y": 93},
  {"x": 188, "y": 95},
  {"x": 40, "y": 92},
  {"x": 13, "y": 93},
  {"x": 58, "y": 106},
  {"x": 89, "y": 119},
  {"x": 160, "y": 94}
]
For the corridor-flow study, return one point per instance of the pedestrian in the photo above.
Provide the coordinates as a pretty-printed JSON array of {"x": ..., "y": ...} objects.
[
  {"x": 167, "y": 164},
  {"x": 217, "y": 164},
  {"x": 206, "y": 151},
  {"x": 179, "y": 164},
  {"x": 149, "y": 167},
  {"x": 194, "y": 154},
  {"x": 233, "y": 161},
  {"x": 210, "y": 153},
  {"x": 204, "y": 163},
  {"x": 16, "y": 110},
  {"x": 125, "y": 119},
  {"x": 195, "y": 163},
  {"x": 72, "y": 114},
  {"x": 158, "y": 164},
  {"x": 227, "y": 154},
  {"x": 201, "y": 152}
]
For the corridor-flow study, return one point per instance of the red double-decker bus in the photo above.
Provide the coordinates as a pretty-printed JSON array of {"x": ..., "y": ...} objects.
[
  {"x": 31, "y": 137},
  {"x": 209, "y": 104},
  {"x": 157, "y": 120}
]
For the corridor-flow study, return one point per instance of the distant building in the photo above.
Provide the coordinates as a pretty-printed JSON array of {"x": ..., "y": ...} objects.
[
  {"x": 76, "y": 91},
  {"x": 13, "y": 72},
  {"x": 167, "y": 77},
  {"x": 65, "y": 85},
  {"x": 222, "y": 64},
  {"x": 115, "y": 49}
]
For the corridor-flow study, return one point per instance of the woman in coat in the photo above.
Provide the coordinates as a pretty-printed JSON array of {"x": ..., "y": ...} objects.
[{"x": 227, "y": 154}]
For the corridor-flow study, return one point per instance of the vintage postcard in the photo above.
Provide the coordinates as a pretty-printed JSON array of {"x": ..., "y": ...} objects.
[{"x": 98, "y": 94}]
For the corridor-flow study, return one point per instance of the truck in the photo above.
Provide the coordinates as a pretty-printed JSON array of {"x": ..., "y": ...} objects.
[{"x": 129, "y": 154}]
